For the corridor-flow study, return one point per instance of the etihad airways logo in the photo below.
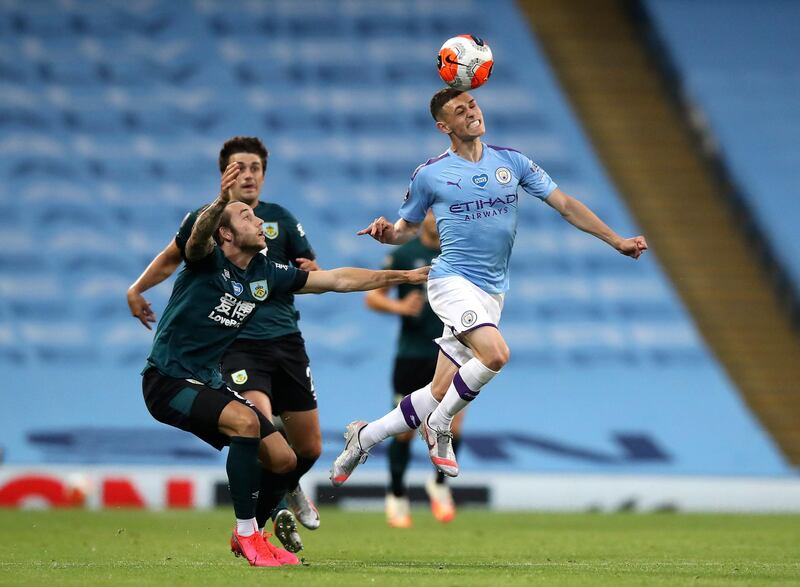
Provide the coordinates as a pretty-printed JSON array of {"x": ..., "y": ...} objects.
[{"x": 484, "y": 208}]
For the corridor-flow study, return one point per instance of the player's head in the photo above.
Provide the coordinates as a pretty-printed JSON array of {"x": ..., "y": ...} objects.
[
  {"x": 457, "y": 114},
  {"x": 252, "y": 156},
  {"x": 240, "y": 229}
]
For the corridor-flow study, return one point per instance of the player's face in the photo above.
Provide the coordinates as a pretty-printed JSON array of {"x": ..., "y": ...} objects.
[
  {"x": 251, "y": 177},
  {"x": 463, "y": 117},
  {"x": 248, "y": 234}
]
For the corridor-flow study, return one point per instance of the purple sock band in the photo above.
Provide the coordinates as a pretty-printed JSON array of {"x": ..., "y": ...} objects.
[
  {"x": 465, "y": 392},
  {"x": 409, "y": 413}
]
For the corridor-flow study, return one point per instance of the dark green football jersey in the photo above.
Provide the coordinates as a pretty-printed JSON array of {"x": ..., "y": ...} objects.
[
  {"x": 416, "y": 332},
  {"x": 211, "y": 299},
  {"x": 286, "y": 241}
]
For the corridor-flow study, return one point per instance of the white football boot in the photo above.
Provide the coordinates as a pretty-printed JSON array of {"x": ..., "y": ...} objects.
[
  {"x": 440, "y": 448},
  {"x": 352, "y": 455},
  {"x": 303, "y": 508}
]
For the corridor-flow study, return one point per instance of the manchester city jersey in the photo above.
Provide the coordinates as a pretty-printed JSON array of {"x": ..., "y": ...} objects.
[{"x": 476, "y": 206}]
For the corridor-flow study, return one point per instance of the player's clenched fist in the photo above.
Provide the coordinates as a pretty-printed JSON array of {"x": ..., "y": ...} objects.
[{"x": 633, "y": 247}]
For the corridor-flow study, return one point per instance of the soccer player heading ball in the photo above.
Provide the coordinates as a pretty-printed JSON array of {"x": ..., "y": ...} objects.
[{"x": 472, "y": 188}]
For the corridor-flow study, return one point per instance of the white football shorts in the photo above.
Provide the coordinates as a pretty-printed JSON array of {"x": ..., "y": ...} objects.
[{"x": 462, "y": 306}]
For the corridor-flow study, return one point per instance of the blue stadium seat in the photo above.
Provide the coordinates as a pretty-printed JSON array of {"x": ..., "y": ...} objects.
[{"x": 739, "y": 65}]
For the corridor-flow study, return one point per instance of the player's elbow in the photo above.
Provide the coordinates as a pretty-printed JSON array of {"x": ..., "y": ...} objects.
[
  {"x": 344, "y": 283},
  {"x": 195, "y": 252}
]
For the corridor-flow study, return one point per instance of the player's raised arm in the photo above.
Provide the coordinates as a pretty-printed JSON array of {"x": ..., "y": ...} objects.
[
  {"x": 385, "y": 232},
  {"x": 580, "y": 216},
  {"x": 201, "y": 241},
  {"x": 347, "y": 279},
  {"x": 160, "y": 268}
]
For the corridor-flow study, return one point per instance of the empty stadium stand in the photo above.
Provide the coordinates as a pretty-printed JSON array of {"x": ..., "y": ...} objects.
[
  {"x": 739, "y": 67},
  {"x": 613, "y": 76}
]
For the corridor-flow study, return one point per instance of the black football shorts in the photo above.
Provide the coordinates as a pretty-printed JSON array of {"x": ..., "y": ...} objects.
[
  {"x": 192, "y": 406},
  {"x": 278, "y": 367}
]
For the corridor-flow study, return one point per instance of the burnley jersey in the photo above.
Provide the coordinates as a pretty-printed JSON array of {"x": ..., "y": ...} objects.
[
  {"x": 286, "y": 240},
  {"x": 476, "y": 208},
  {"x": 211, "y": 300}
]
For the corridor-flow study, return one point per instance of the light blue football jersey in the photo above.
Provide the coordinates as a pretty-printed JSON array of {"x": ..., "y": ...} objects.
[{"x": 475, "y": 205}]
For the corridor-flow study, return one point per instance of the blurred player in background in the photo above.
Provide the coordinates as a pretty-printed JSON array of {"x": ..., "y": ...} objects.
[
  {"x": 223, "y": 282},
  {"x": 414, "y": 366},
  {"x": 472, "y": 190},
  {"x": 268, "y": 363}
]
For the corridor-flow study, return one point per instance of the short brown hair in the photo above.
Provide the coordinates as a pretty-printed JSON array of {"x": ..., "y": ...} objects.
[
  {"x": 242, "y": 145},
  {"x": 441, "y": 98}
]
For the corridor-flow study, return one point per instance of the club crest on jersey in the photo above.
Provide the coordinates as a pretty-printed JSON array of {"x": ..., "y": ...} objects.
[
  {"x": 259, "y": 289},
  {"x": 502, "y": 175},
  {"x": 237, "y": 288},
  {"x": 270, "y": 230},
  {"x": 468, "y": 318},
  {"x": 480, "y": 180},
  {"x": 239, "y": 377}
]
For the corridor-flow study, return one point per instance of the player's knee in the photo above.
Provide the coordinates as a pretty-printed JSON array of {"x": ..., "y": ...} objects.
[
  {"x": 505, "y": 356},
  {"x": 283, "y": 462},
  {"x": 497, "y": 357},
  {"x": 245, "y": 423},
  {"x": 312, "y": 452}
]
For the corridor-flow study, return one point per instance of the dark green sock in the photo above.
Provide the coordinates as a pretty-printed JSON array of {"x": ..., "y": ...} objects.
[
  {"x": 272, "y": 490},
  {"x": 399, "y": 455},
  {"x": 440, "y": 477},
  {"x": 243, "y": 470},
  {"x": 304, "y": 465}
]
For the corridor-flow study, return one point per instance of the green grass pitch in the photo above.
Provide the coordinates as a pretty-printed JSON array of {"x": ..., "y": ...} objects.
[{"x": 357, "y": 548}]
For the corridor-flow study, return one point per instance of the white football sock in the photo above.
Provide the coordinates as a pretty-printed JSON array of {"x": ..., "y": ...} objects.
[
  {"x": 465, "y": 387},
  {"x": 406, "y": 416},
  {"x": 246, "y": 527}
]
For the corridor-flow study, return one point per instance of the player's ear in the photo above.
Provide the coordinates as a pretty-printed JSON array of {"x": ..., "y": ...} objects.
[
  {"x": 225, "y": 234},
  {"x": 443, "y": 128}
]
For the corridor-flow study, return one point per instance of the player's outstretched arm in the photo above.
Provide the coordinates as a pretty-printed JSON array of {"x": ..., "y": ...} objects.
[
  {"x": 347, "y": 279},
  {"x": 385, "y": 232},
  {"x": 201, "y": 241},
  {"x": 161, "y": 267},
  {"x": 580, "y": 216}
]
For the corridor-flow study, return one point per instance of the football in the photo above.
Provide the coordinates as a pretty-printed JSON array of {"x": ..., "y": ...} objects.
[{"x": 465, "y": 62}]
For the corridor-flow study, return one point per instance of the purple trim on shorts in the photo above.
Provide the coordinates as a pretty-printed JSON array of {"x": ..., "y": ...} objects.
[
  {"x": 409, "y": 413},
  {"x": 456, "y": 363},
  {"x": 465, "y": 392},
  {"x": 471, "y": 328}
]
